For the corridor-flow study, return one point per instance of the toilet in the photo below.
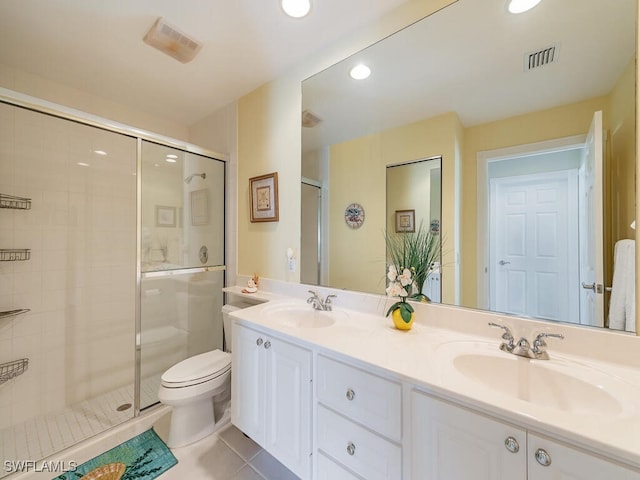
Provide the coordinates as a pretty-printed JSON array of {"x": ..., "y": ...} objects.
[{"x": 190, "y": 387}]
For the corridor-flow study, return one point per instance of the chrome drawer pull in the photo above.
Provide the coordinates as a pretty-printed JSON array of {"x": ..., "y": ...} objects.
[
  {"x": 543, "y": 457},
  {"x": 351, "y": 449},
  {"x": 512, "y": 444},
  {"x": 350, "y": 394}
]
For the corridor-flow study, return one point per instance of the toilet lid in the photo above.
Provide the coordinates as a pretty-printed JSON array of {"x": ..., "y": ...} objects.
[{"x": 197, "y": 369}]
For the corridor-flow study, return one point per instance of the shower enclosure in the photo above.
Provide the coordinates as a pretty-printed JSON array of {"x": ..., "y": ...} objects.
[{"x": 111, "y": 270}]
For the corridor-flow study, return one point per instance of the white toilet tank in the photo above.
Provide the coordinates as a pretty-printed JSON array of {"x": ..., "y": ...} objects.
[{"x": 226, "y": 319}]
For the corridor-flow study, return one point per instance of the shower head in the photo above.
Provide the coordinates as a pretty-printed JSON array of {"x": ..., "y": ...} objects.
[{"x": 190, "y": 177}]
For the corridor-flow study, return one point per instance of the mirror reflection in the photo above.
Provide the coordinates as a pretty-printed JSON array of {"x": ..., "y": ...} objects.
[{"x": 533, "y": 117}]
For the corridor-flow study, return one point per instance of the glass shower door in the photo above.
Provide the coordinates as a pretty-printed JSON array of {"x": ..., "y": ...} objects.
[{"x": 182, "y": 260}]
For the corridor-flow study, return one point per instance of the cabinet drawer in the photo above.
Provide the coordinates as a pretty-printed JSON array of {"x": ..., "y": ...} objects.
[
  {"x": 361, "y": 451},
  {"x": 330, "y": 470},
  {"x": 361, "y": 396}
]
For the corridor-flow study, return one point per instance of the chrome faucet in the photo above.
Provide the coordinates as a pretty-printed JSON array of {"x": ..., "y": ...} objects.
[
  {"x": 522, "y": 347},
  {"x": 318, "y": 304}
]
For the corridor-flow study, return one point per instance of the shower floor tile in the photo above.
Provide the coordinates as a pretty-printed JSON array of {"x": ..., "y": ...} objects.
[{"x": 45, "y": 435}]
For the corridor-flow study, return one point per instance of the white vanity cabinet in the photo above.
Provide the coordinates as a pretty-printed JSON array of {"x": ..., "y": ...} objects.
[
  {"x": 359, "y": 423},
  {"x": 453, "y": 443},
  {"x": 271, "y": 395},
  {"x": 567, "y": 463},
  {"x": 450, "y": 442}
]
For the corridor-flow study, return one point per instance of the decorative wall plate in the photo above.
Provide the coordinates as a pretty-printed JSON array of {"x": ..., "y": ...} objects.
[{"x": 354, "y": 215}]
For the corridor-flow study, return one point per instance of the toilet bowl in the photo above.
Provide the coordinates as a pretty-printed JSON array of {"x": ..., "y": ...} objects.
[{"x": 190, "y": 387}]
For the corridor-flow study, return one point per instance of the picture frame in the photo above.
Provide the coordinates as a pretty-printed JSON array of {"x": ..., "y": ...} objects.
[
  {"x": 165, "y": 216},
  {"x": 405, "y": 221},
  {"x": 199, "y": 207},
  {"x": 263, "y": 191}
]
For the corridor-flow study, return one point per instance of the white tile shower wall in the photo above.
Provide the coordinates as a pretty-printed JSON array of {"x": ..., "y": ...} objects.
[{"x": 80, "y": 280}]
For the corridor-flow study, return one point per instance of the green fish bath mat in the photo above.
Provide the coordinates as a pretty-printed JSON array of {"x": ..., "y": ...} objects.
[{"x": 143, "y": 457}]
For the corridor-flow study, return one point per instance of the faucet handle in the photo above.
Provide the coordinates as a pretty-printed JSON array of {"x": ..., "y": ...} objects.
[
  {"x": 327, "y": 302},
  {"x": 539, "y": 344},
  {"x": 507, "y": 336}
]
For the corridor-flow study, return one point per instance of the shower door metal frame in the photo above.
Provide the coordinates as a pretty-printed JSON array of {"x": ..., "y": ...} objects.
[{"x": 18, "y": 99}]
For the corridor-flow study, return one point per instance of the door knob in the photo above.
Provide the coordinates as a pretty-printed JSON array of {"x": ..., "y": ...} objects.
[
  {"x": 596, "y": 287},
  {"x": 503, "y": 263},
  {"x": 512, "y": 445},
  {"x": 543, "y": 457}
]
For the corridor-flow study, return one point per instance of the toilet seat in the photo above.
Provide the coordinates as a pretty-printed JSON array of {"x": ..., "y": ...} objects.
[{"x": 197, "y": 369}]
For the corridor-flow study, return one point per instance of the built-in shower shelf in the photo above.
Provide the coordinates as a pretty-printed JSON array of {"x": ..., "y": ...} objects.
[
  {"x": 14, "y": 254},
  {"x": 13, "y": 313},
  {"x": 17, "y": 203},
  {"x": 13, "y": 369}
]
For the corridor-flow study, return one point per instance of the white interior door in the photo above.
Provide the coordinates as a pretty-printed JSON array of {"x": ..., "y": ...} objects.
[
  {"x": 533, "y": 225},
  {"x": 590, "y": 227}
]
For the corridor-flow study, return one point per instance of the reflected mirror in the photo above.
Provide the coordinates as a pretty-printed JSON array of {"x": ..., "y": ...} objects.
[{"x": 533, "y": 117}]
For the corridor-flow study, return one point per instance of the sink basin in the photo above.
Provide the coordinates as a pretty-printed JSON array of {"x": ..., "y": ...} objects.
[
  {"x": 553, "y": 384},
  {"x": 302, "y": 316}
]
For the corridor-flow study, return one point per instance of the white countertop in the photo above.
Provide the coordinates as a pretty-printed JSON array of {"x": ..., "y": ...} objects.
[{"x": 423, "y": 356}]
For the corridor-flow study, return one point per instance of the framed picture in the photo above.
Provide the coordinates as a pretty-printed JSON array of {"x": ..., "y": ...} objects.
[
  {"x": 405, "y": 220},
  {"x": 199, "y": 207},
  {"x": 165, "y": 216},
  {"x": 264, "y": 198}
]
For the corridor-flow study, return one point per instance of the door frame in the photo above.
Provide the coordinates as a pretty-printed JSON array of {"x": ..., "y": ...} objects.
[{"x": 483, "y": 159}]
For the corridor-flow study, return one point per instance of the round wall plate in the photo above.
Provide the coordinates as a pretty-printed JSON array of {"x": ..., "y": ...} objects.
[{"x": 354, "y": 215}]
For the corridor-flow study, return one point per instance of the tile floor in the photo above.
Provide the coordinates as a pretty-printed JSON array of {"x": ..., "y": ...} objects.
[{"x": 227, "y": 454}]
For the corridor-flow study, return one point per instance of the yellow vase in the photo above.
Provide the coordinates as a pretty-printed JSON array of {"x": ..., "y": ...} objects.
[{"x": 399, "y": 323}]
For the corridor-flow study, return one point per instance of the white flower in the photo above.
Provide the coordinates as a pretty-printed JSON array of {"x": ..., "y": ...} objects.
[
  {"x": 394, "y": 289},
  {"x": 393, "y": 273},
  {"x": 405, "y": 278}
]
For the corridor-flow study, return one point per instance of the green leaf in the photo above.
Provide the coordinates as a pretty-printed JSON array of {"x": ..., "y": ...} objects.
[
  {"x": 393, "y": 307},
  {"x": 406, "y": 311}
]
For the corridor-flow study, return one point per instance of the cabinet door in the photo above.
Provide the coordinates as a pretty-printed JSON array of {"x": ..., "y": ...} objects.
[
  {"x": 248, "y": 393},
  {"x": 567, "y": 463},
  {"x": 452, "y": 443},
  {"x": 289, "y": 405}
]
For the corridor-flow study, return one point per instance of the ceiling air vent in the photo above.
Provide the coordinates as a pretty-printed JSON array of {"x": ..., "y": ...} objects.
[
  {"x": 171, "y": 41},
  {"x": 310, "y": 119},
  {"x": 540, "y": 58}
]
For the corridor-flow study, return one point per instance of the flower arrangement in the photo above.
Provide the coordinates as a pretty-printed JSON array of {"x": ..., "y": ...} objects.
[
  {"x": 398, "y": 284},
  {"x": 414, "y": 251}
]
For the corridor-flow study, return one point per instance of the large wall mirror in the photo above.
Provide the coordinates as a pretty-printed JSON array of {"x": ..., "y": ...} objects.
[{"x": 533, "y": 118}]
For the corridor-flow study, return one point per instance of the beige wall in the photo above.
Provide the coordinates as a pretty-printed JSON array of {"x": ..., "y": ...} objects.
[
  {"x": 44, "y": 89},
  {"x": 269, "y": 140},
  {"x": 358, "y": 174}
]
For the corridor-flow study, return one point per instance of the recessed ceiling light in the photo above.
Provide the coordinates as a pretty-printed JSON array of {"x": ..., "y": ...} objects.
[
  {"x": 521, "y": 6},
  {"x": 296, "y": 8},
  {"x": 360, "y": 72}
]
